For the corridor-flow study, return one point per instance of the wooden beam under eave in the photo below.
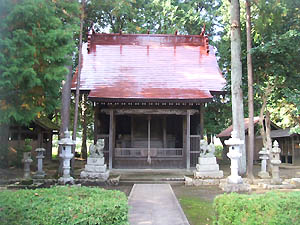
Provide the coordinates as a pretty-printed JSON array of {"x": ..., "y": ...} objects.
[
  {"x": 111, "y": 137},
  {"x": 188, "y": 139},
  {"x": 150, "y": 111}
]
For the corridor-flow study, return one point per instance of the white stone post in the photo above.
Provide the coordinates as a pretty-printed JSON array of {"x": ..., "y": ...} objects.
[
  {"x": 275, "y": 162},
  {"x": 264, "y": 157},
  {"x": 27, "y": 161},
  {"x": 234, "y": 154},
  {"x": 40, "y": 174},
  {"x": 66, "y": 155}
]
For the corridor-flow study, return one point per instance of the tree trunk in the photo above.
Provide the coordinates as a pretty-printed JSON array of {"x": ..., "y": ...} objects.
[
  {"x": 65, "y": 102},
  {"x": 268, "y": 130},
  {"x": 4, "y": 133},
  {"x": 84, "y": 127},
  {"x": 65, "y": 110},
  {"x": 250, "y": 94},
  {"x": 77, "y": 86},
  {"x": 236, "y": 80}
]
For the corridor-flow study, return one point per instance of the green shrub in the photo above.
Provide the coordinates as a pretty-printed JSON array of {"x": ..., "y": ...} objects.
[
  {"x": 63, "y": 205},
  {"x": 219, "y": 151},
  {"x": 27, "y": 146},
  {"x": 273, "y": 208}
]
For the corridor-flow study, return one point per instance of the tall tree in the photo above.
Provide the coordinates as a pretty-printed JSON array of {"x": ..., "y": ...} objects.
[
  {"x": 250, "y": 150},
  {"x": 34, "y": 43},
  {"x": 236, "y": 80},
  {"x": 78, "y": 82}
]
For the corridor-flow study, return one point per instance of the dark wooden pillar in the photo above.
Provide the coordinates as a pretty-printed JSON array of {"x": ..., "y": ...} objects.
[
  {"x": 201, "y": 112},
  {"x": 132, "y": 132},
  {"x": 165, "y": 132},
  {"x": 188, "y": 139},
  {"x": 184, "y": 140},
  {"x": 50, "y": 145},
  {"x": 149, "y": 134},
  {"x": 96, "y": 123},
  {"x": 111, "y": 137}
]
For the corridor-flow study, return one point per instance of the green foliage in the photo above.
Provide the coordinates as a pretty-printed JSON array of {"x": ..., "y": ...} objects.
[
  {"x": 27, "y": 146},
  {"x": 270, "y": 208},
  {"x": 36, "y": 42},
  {"x": 276, "y": 33},
  {"x": 219, "y": 151},
  {"x": 63, "y": 205},
  {"x": 295, "y": 130},
  {"x": 138, "y": 16}
]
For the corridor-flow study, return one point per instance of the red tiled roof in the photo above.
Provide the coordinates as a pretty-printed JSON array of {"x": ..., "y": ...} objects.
[
  {"x": 227, "y": 131},
  {"x": 145, "y": 67}
]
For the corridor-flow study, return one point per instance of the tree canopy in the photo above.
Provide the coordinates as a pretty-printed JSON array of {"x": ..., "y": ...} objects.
[
  {"x": 35, "y": 46},
  {"x": 275, "y": 32},
  {"x": 38, "y": 40}
]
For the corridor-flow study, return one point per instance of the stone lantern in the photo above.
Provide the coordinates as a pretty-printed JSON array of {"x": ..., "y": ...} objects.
[
  {"x": 234, "y": 154},
  {"x": 66, "y": 144},
  {"x": 264, "y": 156},
  {"x": 275, "y": 162},
  {"x": 40, "y": 174},
  {"x": 27, "y": 161}
]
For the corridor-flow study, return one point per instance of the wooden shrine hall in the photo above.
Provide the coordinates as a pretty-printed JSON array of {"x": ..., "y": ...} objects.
[{"x": 148, "y": 92}]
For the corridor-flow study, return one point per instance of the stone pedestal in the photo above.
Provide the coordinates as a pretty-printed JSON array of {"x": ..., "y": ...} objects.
[
  {"x": 66, "y": 155},
  {"x": 275, "y": 162},
  {"x": 40, "y": 174},
  {"x": 95, "y": 169},
  {"x": 207, "y": 167},
  {"x": 264, "y": 157},
  {"x": 27, "y": 161}
]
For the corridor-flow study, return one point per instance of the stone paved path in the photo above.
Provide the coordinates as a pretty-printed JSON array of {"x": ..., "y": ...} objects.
[{"x": 155, "y": 204}]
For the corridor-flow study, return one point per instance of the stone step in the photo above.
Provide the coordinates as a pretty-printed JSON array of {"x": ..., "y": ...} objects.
[{"x": 179, "y": 180}]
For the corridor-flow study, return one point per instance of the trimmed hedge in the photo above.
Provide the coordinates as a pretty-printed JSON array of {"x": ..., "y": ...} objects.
[
  {"x": 272, "y": 208},
  {"x": 63, "y": 205}
]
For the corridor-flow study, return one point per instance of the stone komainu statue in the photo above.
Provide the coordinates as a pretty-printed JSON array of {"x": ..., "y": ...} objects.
[
  {"x": 207, "y": 150},
  {"x": 96, "y": 151}
]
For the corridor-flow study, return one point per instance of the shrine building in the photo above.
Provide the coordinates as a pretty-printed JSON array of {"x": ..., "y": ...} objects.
[{"x": 149, "y": 92}]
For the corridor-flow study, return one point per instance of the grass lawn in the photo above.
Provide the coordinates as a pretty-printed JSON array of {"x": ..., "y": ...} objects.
[
  {"x": 197, "y": 202},
  {"x": 197, "y": 210}
]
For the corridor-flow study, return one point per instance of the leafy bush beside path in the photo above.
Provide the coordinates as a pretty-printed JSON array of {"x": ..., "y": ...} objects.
[
  {"x": 63, "y": 205},
  {"x": 272, "y": 208}
]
